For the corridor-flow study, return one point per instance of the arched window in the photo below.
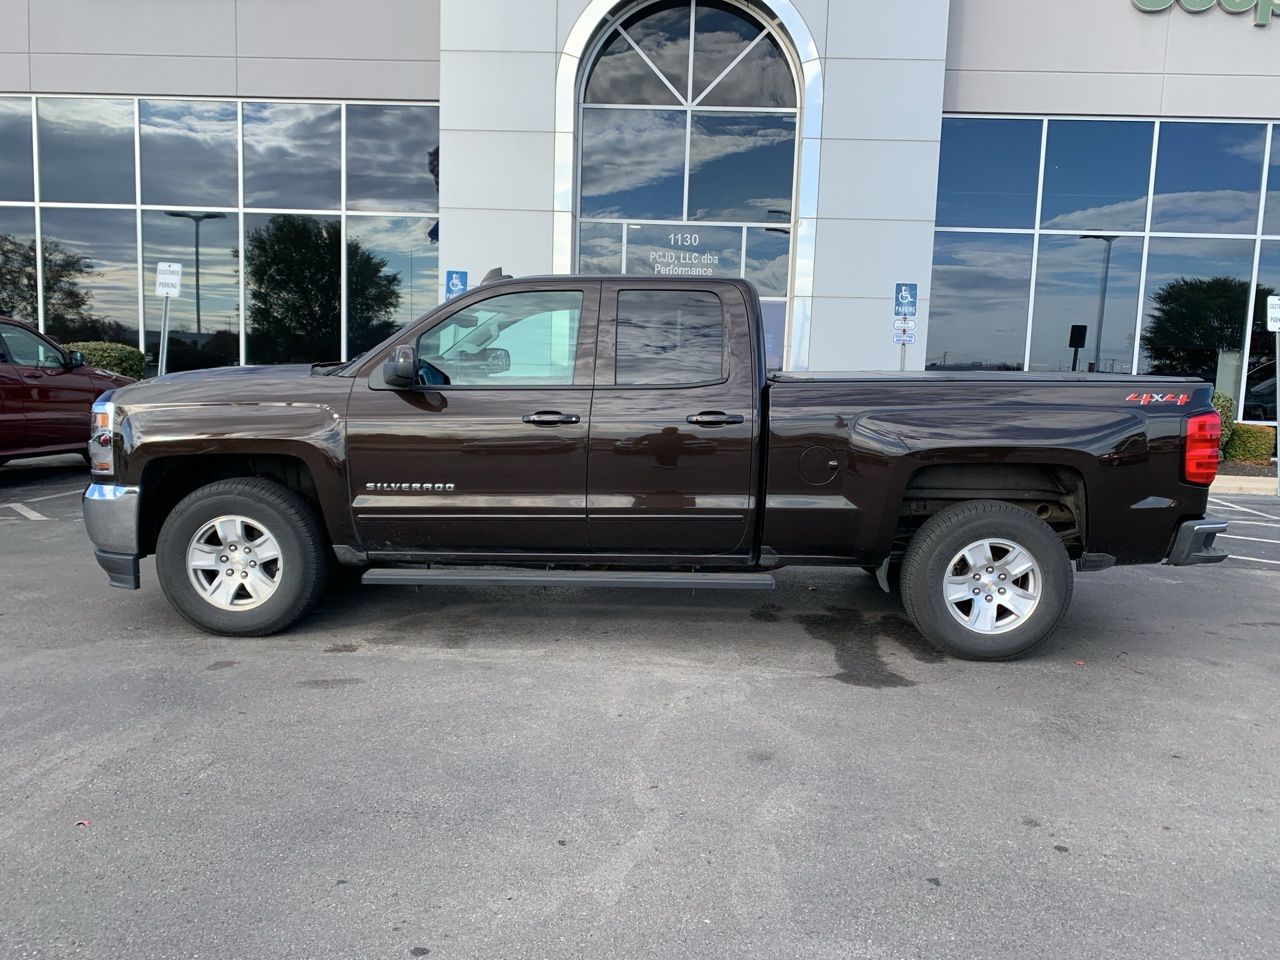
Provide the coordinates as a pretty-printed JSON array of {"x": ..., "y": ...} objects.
[{"x": 687, "y": 148}]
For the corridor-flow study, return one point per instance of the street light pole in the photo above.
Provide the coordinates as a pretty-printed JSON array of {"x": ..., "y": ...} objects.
[
  {"x": 197, "y": 219},
  {"x": 1102, "y": 298}
]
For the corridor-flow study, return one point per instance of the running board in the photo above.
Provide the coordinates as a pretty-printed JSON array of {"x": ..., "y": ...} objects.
[{"x": 569, "y": 578}]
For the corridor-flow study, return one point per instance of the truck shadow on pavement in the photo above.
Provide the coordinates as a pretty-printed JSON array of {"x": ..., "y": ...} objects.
[{"x": 868, "y": 640}]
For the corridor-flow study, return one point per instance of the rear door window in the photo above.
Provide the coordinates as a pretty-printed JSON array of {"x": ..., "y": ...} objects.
[{"x": 669, "y": 337}]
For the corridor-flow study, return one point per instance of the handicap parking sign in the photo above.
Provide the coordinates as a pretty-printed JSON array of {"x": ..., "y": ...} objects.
[
  {"x": 905, "y": 298},
  {"x": 455, "y": 282}
]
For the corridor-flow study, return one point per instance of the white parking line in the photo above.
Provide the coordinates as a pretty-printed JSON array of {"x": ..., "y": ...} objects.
[
  {"x": 1232, "y": 506},
  {"x": 1227, "y": 536},
  {"x": 25, "y": 511},
  {"x": 1254, "y": 523},
  {"x": 54, "y": 496},
  {"x": 1255, "y": 559}
]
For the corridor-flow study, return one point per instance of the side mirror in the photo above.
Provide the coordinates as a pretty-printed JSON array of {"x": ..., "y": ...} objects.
[
  {"x": 497, "y": 359},
  {"x": 75, "y": 359},
  {"x": 401, "y": 371}
]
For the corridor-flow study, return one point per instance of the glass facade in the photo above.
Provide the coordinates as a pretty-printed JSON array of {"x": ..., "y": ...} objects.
[
  {"x": 284, "y": 259},
  {"x": 688, "y": 151},
  {"x": 1117, "y": 246}
]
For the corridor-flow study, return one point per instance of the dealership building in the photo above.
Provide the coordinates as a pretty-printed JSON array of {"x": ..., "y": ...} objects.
[{"x": 973, "y": 185}]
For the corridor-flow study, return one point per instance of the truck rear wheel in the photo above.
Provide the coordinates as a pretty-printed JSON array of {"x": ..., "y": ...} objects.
[
  {"x": 242, "y": 558},
  {"x": 986, "y": 580}
]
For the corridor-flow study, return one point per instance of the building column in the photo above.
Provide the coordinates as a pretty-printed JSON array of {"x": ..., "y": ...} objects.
[
  {"x": 883, "y": 70},
  {"x": 497, "y": 123}
]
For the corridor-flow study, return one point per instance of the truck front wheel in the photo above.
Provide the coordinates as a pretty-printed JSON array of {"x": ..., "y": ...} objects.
[
  {"x": 986, "y": 580},
  {"x": 242, "y": 558}
]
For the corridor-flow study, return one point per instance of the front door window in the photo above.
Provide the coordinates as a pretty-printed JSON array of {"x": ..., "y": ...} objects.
[{"x": 516, "y": 340}]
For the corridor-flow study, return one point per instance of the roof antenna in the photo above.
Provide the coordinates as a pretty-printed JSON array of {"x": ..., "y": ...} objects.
[{"x": 495, "y": 274}]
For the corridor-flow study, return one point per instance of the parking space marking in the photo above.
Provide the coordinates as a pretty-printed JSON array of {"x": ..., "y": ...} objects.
[
  {"x": 54, "y": 496},
  {"x": 1255, "y": 523},
  {"x": 25, "y": 511},
  {"x": 1228, "y": 536},
  {"x": 1231, "y": 506},
  {"x": 1255, "y": 559}
]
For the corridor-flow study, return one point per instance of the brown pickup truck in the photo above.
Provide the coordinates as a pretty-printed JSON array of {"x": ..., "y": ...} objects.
[{"x": 624, "y": 432}]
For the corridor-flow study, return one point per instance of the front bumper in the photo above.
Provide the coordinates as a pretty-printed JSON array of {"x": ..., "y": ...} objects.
[
  {"x": 1194, "y": 543},
  {"x": 111, "y": 520}
]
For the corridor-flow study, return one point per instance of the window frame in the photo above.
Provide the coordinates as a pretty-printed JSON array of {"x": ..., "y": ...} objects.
[
  {"x": 7, "y": 356},
  {"x": 235, "y": 212},
  {"x": 607, "y": 342},
  {"x": 579, "y": 344},
  {"x": 585, "y": 362},
  {"x": 1271, "y": 129},
  {"x": 799, "y": 224}
]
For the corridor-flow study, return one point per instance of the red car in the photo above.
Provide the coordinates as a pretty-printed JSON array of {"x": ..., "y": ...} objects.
[{"x": 46, "y": 394}]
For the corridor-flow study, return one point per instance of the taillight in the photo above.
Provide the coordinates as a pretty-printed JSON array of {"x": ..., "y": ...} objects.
[
  {"x": 102, "y": 438},
  {"x": 1201, "y": 437}
]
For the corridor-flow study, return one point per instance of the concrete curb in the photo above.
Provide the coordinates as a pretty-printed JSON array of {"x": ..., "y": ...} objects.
[{"x": 1253, "y": 486}]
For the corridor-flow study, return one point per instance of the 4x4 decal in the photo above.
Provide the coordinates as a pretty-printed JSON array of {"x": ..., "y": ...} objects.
[{"x": 1146, "y": 399}]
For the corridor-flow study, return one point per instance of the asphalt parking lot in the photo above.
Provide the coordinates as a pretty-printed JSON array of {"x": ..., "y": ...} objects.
[{"x": 558, "y": 773}]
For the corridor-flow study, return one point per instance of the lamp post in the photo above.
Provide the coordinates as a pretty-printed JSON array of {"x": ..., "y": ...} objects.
[
  {"x": 197, "y": 219},
  {"x": 1102, "y": 297}
]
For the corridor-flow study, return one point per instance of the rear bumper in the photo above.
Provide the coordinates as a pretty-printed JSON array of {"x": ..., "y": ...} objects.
[
  {"x": 111, "y": 521},
  {"x": 1194, "y": 543}
]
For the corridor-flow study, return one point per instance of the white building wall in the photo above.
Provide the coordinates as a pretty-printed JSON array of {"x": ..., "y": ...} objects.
[
  {"x": 883, "y": 69},
  {"x": 880, "y": 96},
  {"x": 1106, "y": 57},
  {"x": 375, "y": 49}
]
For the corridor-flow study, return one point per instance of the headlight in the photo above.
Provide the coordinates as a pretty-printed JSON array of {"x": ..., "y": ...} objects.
[{"x": 102, "y": 438}]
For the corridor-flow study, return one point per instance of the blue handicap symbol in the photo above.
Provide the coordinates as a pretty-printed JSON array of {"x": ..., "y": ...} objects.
[
  {"x": 905, "y": 298},
  {"x": 455, "y": 282}
]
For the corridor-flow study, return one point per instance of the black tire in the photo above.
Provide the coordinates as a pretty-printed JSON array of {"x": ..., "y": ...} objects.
[
  {"x": 927, "y": 565},
  {"x": 304, "y": 555}
]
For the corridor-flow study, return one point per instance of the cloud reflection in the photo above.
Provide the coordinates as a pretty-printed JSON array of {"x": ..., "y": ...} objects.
[
  {"x": 108, "y": 239},
  {"x": 1068, "y": 285},
  {"x": 15, "y": 149},
  {"x": 978, "y": 314},
  {"x": 188, "y": 152},
  {"x": 291, "y": 155},
  {"x": 74, "y": 130},
  {"x": 667, "y": 338},
  {"x": 387, "y": 157}
]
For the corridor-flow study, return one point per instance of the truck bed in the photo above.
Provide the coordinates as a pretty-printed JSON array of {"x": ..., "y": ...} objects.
[{"x": 968, "y": 376}]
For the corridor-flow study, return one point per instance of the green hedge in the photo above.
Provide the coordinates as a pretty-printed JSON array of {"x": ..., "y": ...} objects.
[
  {"x": 1226, "y": 407},
  {"x": 116, "y": 357},
  {"x": 1251, "y": 443}
]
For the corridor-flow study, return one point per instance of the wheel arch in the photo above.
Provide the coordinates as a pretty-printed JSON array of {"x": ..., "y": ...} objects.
[
  {"x": 1056, "y": 493},
  {"x": 167, "y": 480}
]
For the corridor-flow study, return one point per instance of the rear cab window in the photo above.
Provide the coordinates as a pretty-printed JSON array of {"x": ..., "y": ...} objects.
[{"x": 669, "y": 338}]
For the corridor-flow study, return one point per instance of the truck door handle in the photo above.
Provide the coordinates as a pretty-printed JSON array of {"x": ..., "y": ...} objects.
[
  {"x": 713, "y": 418},
  {"x": 550, "y": 418}
]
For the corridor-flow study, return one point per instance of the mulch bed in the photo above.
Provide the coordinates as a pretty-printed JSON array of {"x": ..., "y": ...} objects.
[{"x": 1238, "y": 468}]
